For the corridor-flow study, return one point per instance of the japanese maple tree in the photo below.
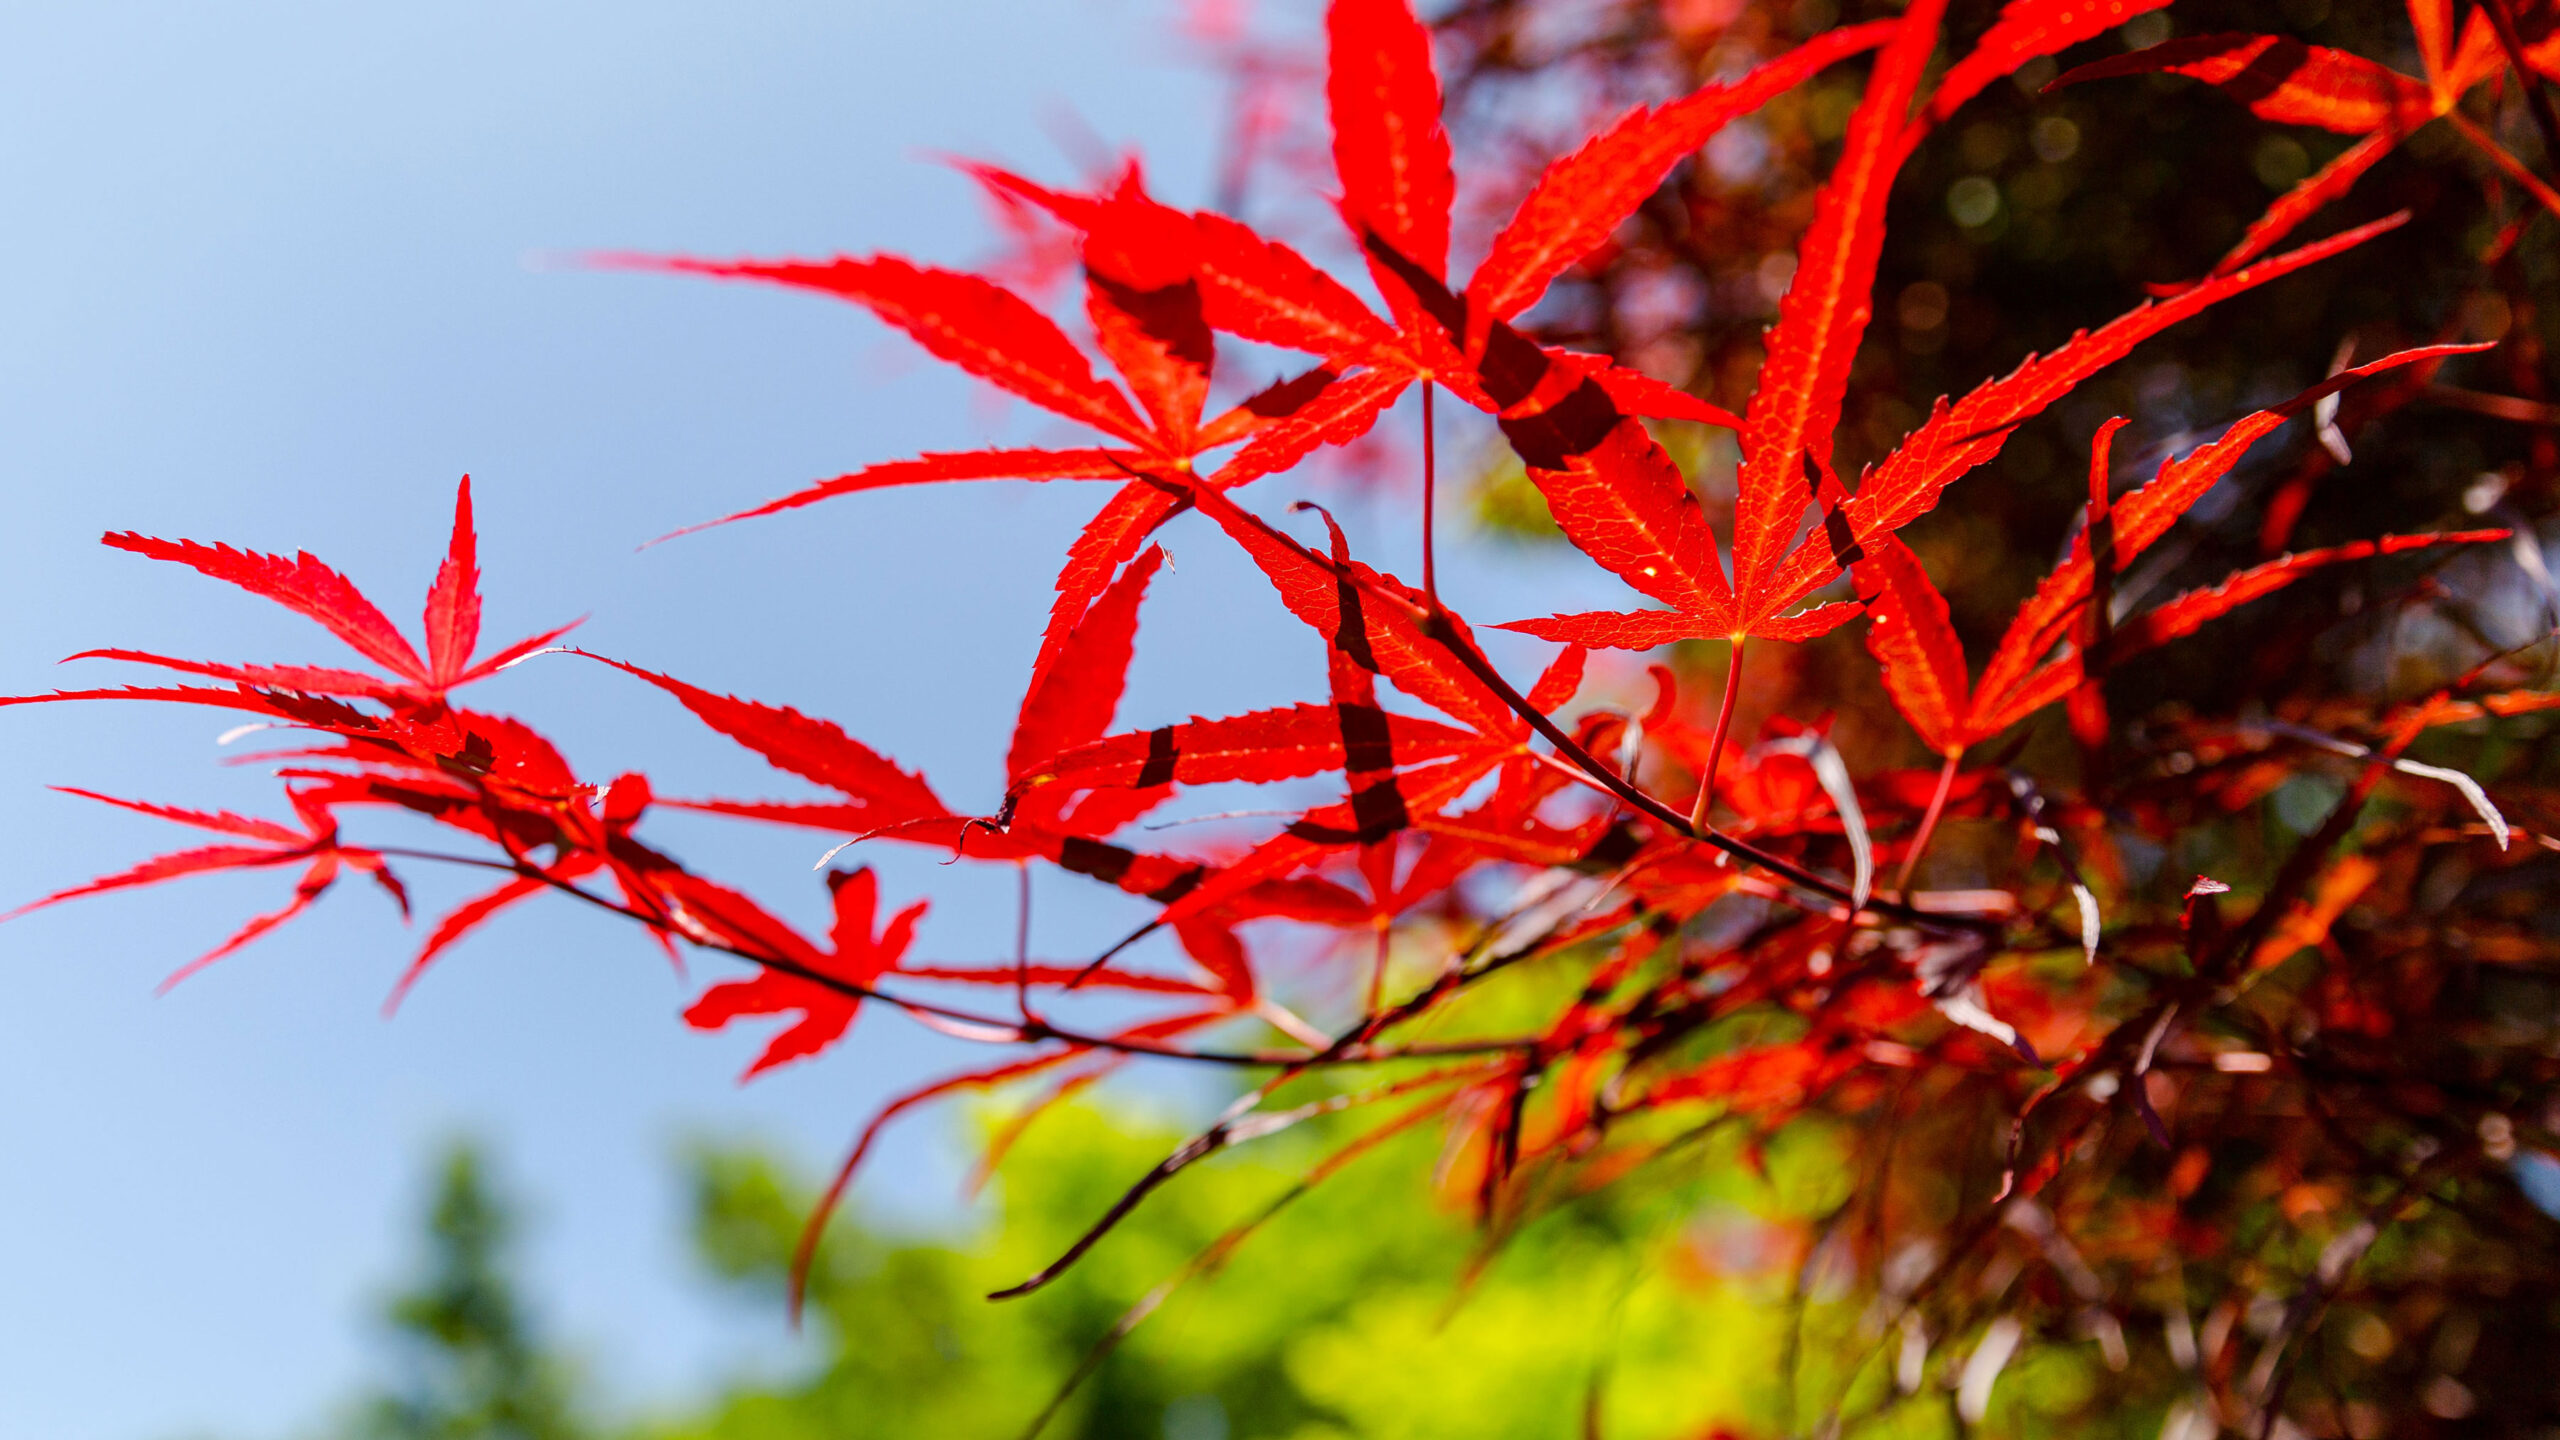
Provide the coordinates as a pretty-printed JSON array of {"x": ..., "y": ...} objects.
[{"x": 1643, "y": 906}]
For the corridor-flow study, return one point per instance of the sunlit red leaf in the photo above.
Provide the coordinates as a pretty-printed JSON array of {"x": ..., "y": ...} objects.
[
  {"x": 1912, "y": 638},
  {"x": 1825, "y": 312},
  {"x": 1580, "y": 200},
  {"x": 1560, "y": 681},
  {"x": 1264, "y": 746},
  {"x": 1639, "y": 394},
  {"x": 461, "y": 920},
  {"x": 1052, "y": 974},
  {"x": 806, "y": 746},
  {"x": 857, "y": 958},
  {"x": 2025, "y": 30},
  {"x": 316, "y": 847},
  {"x": 2433, "y": 22},
  {"x": 453, "y": 603},
  {"x": 1273, "y": 403},
  {"x": 1620, "y": 501},
  {"x": 2307, "y": 198},
  {"x": 1218, "y": 951},
  {"x": 1329, "y": 828},
  {"x": 1143, "y": 298},
  {"x": 244, "y": 697},
  {"x": 1343, "y": 412},
  {"x": 1388, "y": 146},
  {"x": 1073, "y": 695},
  {"x": 1092, "y": 464},
  {"x": 302, "y": 584},
  {"x": 971, "y": 322},
  {"x": 2140, "y": 518},
  {"x": 1265, "y": 291},
  {"x": 316, "y": 679},
  {"x": 1382, "y": 636},
  {"x": 1611, "y": 629},
  {"x": 177, "y": 863},
  {"x": 1958, "y": 438}
]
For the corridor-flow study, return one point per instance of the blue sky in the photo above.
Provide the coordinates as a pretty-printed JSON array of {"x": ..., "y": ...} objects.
[
  {"x": 277, "y": 275},
  {"x": 272, "y": 276}
]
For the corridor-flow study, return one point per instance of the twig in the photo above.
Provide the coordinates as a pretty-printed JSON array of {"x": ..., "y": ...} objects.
[
  {"x": 1238, "y": 1125},
  {"x": 1217, "y": 1254},
  {"x": 992, "y": 1029}
]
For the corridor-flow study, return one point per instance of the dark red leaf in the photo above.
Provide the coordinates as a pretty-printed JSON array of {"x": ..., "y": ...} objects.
[{"x": 2281, "y": 79}]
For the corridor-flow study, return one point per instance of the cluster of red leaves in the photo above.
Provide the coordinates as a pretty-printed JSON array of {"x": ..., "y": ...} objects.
[{"x": 1683, "y": 877}]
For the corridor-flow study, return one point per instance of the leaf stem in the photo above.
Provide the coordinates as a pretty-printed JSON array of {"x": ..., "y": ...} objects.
[
  {"x": 1377, "y": 968},
  {"x": 1022, "y": 940},
  {"x": 1715, "y": 743},
  {"x": 1928, "y": 825},
  {"x": 1430, "y": 506}
]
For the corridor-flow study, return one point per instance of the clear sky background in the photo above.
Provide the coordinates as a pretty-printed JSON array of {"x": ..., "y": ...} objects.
[{"x": 273, "y": 275}]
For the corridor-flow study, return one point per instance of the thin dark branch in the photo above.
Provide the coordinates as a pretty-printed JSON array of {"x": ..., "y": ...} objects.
[
  {"x": 1238, "y": 1125},
  {"x": 1002, "y": 1031}
]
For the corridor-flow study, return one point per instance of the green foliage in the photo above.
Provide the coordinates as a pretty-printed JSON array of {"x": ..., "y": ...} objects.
[
  {"x": 471, "y": 1366},
  {"x": 1665, "y": 1305},
  {"x": 1705, "y": 1294}
]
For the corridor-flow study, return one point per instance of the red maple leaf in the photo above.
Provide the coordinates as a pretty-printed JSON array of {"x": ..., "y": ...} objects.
[
  {"x": 855, "y": 956},
  {"x": 304, "y": 584}
]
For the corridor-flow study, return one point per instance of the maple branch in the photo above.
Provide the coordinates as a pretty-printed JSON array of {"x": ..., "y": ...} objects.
[
  {"x": 1031, "y": 1031},
  {"x": 1235, "y": 1127},
  {"x": 1219, "y": 1250},
  {"x": 1715, "y": 742},
  {"x": 1231, "y": 1127},
  {"x": 2146, "y": 1026}
]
